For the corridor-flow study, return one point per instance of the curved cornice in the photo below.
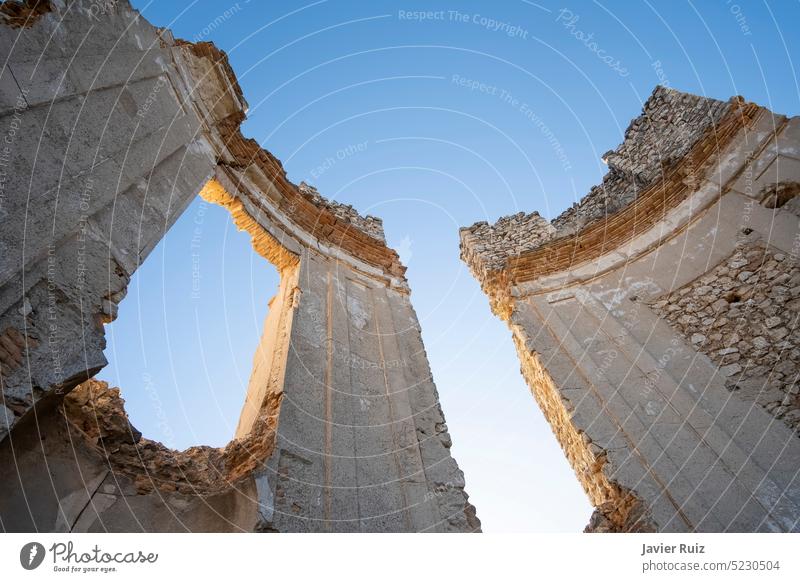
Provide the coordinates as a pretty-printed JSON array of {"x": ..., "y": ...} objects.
[
  {"x": 216, "y": 93},
  {"x": 598, "y": 243}
]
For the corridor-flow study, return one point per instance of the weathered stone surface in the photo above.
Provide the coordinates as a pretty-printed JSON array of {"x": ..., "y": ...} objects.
[
  {"x": 747, "y": 307},
  {"x": 652, "y": 317},
  {"x": 487, "y": 247},
  {"x": 370, "y": 225},
  {"x": 110, "y": 136},
  {"x": 24, "y": 12},
  {"x": 98, "y": 420},
  {"x": 607, "y": 519},
  {"x": 670, "y": 124}
]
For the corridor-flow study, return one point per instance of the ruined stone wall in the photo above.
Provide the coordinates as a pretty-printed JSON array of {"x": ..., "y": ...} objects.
[
  {"x": 625, "y": 342},
  {"x": 743, "y": 315},
  {"x": 487, "y": 246},
  {"x": 370, "y": 225},
  {"x": 670, "y": 124},
  {"x": 113, "y": 127}
]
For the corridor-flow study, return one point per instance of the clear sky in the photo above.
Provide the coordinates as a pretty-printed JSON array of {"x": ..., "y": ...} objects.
[{"x": 478, "y": 110}]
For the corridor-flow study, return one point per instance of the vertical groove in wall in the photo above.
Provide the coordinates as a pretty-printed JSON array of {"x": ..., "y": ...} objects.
[
  {"x": 409, "y": 393},
  {"x": 668, "y": 403},
  {"x": 328, "y": 401},
  {"x": 346, "y": 309},
  {"x": 588, "y": 465},
  {"x": 392, "y": 428}
]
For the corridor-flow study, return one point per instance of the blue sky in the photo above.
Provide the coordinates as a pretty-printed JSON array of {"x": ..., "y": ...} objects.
[{"x": 477, "y": 110}]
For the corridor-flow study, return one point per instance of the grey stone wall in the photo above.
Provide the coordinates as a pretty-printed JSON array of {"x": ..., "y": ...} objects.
[
  {"x": 112, "y": 127},
  {"x": 671, "y": 123},
  {"x": 371, "y": 225},
  {"x": 489, "y": 245},
  {"x": 743, "y": 315},
  {"x": 650, "y": 359},
  {"x": 104, "y": 150}
]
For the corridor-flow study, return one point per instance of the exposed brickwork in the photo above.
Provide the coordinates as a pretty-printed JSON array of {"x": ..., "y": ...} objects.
[
  {"x": 657, "y": 434},
  {"x": 743, "y": 315},
  {"x": 21, "y": 13},
  {"x": 97, "y": 414},
  {"x": 670, "y": 124},
  {"x": 609, "y": 217},
  {"x": 243, "y": 159},
  {"x": 367, "y": 224},
  {"x": 105, "y": 195},
  {"x": 489, "y": 245}
]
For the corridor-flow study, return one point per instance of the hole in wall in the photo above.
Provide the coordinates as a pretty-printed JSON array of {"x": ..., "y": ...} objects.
[
  {"x": 181, "y": 350},
  {"x": 733, "y": 297},
  {"x": 777, "y": 195},
  {"x": 252, "y": 394}
]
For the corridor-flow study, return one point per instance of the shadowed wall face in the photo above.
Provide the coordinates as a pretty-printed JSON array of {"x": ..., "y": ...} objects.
[
  {"x": 341, "y": 429},
  {"x": 656, "y": 320}
]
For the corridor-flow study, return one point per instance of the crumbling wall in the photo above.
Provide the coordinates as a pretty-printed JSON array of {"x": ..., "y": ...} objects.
[
  {"x": 629, "y": 312},
  {"x": 19, "y": 13},
  {"x": 618, "y": 508},
  {"x": 98, "y": 420},
  {"x": 486, "y": 247},
  {"x": 369, "y": 225},
  {"x": 102, "y": 152},
  {"x": 743, "y": 314},
  {"x": 670, "y": 125},
  {"x": 113, "y": 127}
]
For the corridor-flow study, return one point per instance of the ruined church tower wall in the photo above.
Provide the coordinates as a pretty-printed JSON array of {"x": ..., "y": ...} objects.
[
  {"x": 656, "y": 319},
  {"x": 112, "y": 128}
]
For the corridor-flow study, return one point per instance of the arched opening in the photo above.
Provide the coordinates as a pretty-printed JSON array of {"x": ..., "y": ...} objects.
[
  {"x": 200, "y": 373},
  {"x": 182, "y": 347}
]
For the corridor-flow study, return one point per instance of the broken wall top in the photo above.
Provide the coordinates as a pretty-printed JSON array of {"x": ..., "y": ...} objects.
[
  {"x": 666, "y": 148},
  {"x": 209, "y": 75}
]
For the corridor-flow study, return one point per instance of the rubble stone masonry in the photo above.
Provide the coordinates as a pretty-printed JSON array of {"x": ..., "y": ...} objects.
[
  {"x": 743, "y": 315},
  {"x": 111, "y": 128},
  {"x": 656, "y": 319}
]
